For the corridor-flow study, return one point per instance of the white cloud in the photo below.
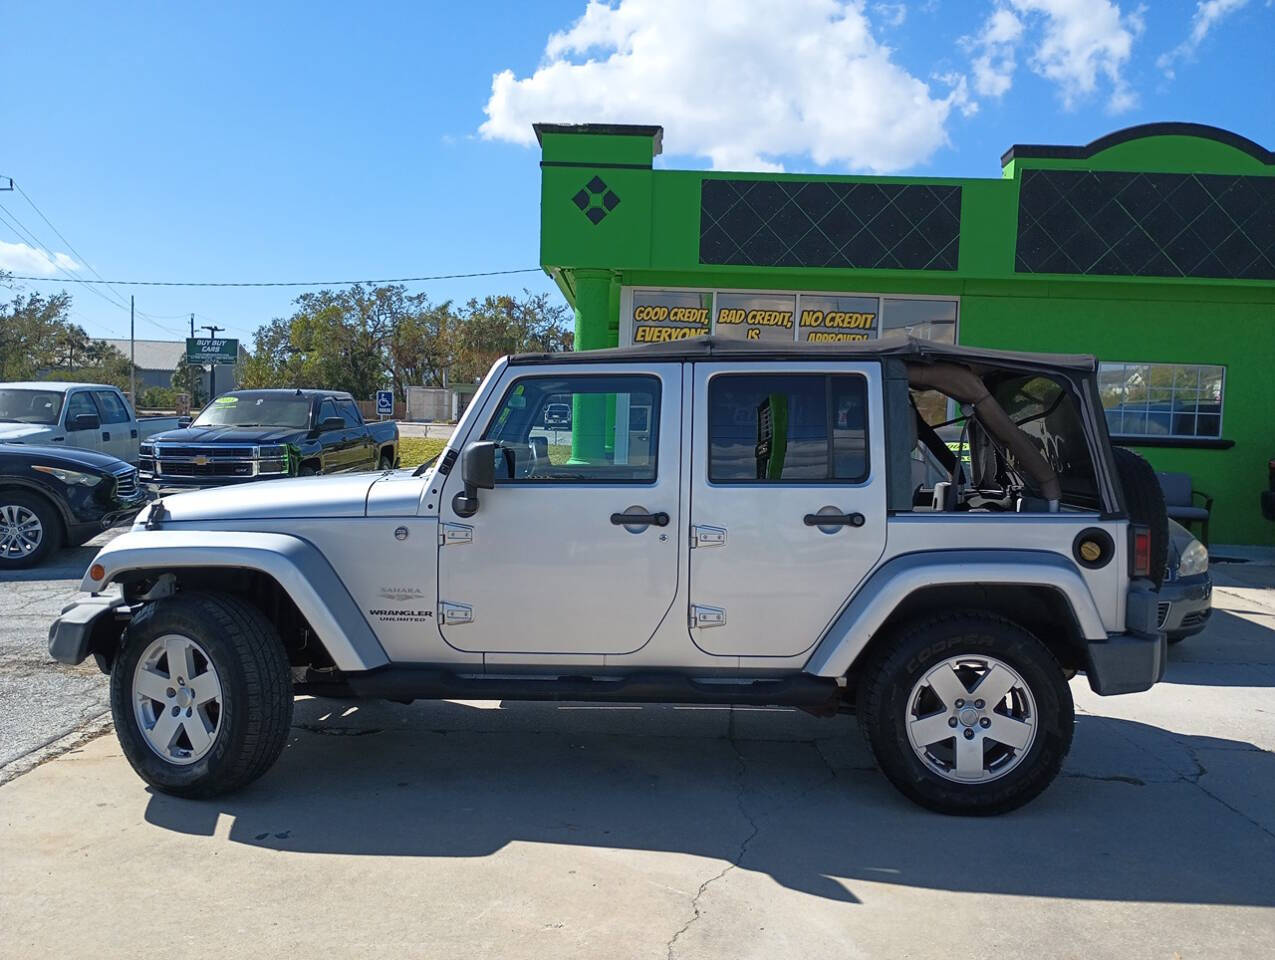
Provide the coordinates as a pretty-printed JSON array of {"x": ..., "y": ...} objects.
[
  {"x": 994, "y": 62},
  {"x": 891, "y": 14},
  {"x": 23, "y": 259},
  {"x": 1078, "y": 45},
  {"x": 741, "y": 82},
  {"x": 1208, "y": 14}
]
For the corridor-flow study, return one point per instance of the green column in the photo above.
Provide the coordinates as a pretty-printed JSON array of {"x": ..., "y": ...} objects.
[{"x": 589, "y": 419}]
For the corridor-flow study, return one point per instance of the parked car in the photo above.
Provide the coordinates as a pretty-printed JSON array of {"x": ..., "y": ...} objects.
[
  {"x": 90, "y": 416},
  {"x": 775, "y": 551},
  {"x": 267, "y": 434},
  {"x": 1186, "y": 595},
  {"x": 55, "y": 496},
  {"x": 558, "y": 416}
]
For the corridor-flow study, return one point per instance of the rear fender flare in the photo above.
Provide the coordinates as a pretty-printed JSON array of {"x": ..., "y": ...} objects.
[
  {"x": 894, "y": 581},
  {"x": 296, "y": 565}
]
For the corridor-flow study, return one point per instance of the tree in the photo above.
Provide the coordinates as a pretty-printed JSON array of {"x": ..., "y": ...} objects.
[
  {"x": 188, "y": 378},
  {"x": 39, "y": 341},
  {"x": 498, "y": 325}
]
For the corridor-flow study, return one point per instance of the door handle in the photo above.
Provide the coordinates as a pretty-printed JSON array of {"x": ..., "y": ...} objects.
[
  {"x": 833, "y": 520},
  {"x": 640, "y": 519},
  {"x": 106, "y": 435}
]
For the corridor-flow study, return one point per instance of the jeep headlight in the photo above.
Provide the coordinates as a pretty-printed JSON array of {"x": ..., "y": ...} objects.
[
  {"x": 146, "y": 450},
  {"x": 72, "y": 478},
  {"x": 1194, "y": 560}
]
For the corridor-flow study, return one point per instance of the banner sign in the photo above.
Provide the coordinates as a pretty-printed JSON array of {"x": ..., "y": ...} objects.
[
  {"x": 202, "y": 351},
  {"x": 660, "y": 317},
  {"x": 838, "y": 319}
]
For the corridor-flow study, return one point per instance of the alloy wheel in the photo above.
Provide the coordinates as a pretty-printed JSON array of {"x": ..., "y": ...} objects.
[
  {"x": 177, "y": 699},
  {"x": 971, "y": 719},
  {"x": 21, "y": 531}
]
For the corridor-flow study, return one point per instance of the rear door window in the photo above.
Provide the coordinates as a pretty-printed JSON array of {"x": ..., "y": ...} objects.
[
  {"x": 787, "y": 428},
  {"x": 112, "y": 405}
]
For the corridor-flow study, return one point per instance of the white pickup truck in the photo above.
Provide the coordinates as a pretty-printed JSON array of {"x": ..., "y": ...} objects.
[{"x": 91, "y": 416}]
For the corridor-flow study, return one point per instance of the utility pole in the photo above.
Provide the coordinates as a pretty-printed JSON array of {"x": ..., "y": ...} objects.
[
  {"x": 212, "y": 367},
  {"x": 192, "y": 324},
  {"x": 132, "y": 358}
]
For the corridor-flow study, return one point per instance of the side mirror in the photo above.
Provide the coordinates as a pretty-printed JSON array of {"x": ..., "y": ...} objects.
[
  {"x": 331, "y": 423},
  {"x": 183, "y": 422},
  {"x": 84, "y": 421},
  {"x": 477, "y": 472}
]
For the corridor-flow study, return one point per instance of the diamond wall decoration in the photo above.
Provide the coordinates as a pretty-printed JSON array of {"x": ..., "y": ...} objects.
[
  {"x": 596, "y": 200},
  {"x": 1146, "y": 224},
  {"x": 823, "y": 223}
]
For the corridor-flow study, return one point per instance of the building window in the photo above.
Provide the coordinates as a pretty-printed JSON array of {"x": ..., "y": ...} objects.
[
  {"x": 926, "y": 319},
  {"x": 755, "y": 316},
  {"x": 1162, "y": 399},
  {"x": 772, "y": 316},
  {"x": 660, "y": 315}
]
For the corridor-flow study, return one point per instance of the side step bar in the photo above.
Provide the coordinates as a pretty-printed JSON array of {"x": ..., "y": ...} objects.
[{"x": 424, "y": 683}]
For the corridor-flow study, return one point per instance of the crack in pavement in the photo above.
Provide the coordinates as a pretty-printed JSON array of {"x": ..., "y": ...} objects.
[{"x": 739, "y": 854}]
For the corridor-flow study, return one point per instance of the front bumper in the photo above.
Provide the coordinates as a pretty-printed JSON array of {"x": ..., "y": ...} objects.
[
  {"x": 71, "y": 636},
  {"x": 1185, "y": 605}
]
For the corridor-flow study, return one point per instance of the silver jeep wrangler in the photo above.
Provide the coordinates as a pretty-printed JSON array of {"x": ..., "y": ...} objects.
[{"x": 935, "y": 538}]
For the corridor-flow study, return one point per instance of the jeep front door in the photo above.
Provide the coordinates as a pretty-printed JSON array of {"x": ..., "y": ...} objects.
[
  {"x": 787, "y": 501},
  {"x": 575, "y": 550}
]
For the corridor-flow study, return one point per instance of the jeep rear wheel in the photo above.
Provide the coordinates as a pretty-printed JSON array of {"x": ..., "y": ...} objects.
[
  {"x": 967, "y": 713},
  {"x": 201, "y": 694}
]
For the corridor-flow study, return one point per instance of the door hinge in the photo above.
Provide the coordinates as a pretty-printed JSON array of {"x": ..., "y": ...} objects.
[
  {"x": 452, "y": 613},
  {"x": 454, "y": 533},
  {"x": 706, "y": 536},
  {"x": 702, "y": 616}
]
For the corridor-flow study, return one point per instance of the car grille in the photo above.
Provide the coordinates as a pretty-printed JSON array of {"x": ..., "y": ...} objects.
[
  {"x": 221, "y": 453},
  {"x": 1161, "y": 614},
  {"x": 1195, "y": 619},
  {"x": 212, "y": 462},
  {"x": 126, "y": 484}
]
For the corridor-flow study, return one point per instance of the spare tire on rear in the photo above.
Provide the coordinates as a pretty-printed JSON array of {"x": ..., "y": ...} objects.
[{"x": 1145, "y": 501}]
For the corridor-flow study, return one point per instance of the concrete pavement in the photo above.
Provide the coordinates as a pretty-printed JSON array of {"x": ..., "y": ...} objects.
[{"x": 532, "y": 830}]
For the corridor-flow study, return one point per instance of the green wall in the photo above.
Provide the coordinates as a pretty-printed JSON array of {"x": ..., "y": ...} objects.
[{"x": 651, "y": 238}]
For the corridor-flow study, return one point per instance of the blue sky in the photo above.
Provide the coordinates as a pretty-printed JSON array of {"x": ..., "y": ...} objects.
[{"x": 271, "y": 141}]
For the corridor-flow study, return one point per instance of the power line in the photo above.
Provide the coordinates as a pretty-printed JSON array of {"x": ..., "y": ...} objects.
[{"x": 279, "y": 283}]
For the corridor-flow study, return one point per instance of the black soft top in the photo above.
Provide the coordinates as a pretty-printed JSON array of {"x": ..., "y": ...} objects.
[{"x": 902, "y": 348}]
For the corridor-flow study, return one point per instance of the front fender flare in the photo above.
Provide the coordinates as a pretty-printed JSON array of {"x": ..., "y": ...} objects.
[
  {"x": 891, "y": 584},
  {"x": 295, "y": 564}
]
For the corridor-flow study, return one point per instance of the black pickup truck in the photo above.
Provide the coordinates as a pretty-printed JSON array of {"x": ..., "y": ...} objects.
[{"x": 252, "y": 435}]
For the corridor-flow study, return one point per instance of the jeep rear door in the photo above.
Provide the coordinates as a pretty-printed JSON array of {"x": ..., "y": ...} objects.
[
  {"x": 788, "y": 507},
  {"x": 575, "y": 551}
]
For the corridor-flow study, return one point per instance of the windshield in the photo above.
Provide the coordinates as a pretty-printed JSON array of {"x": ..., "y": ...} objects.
[
  {"x": 30, "y": 406},
  {"x": 250, "y": 411}
]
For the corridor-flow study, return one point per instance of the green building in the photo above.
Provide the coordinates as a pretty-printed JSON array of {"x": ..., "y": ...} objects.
[{"x": 1152, "y": 248}]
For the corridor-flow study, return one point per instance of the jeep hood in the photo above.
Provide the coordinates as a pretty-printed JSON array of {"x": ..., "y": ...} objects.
[{"x": 332, "y": 496}]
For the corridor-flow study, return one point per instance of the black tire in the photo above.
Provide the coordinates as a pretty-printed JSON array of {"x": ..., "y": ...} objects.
[
  {"x": 386, "y": 462},
  {"x": 256, "y": 685},
  {"x": 308, "y": 471},
  {"x": 1144, "y": 499},
  {"x": 901, "y": 663},
  {"x": 51, "y": 535}
]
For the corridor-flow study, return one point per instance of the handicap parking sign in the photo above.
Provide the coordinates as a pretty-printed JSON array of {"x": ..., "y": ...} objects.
[{"x": 385, "y": 403}]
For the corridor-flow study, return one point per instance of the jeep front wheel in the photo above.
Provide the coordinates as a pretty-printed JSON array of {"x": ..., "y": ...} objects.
[
  {"x": 967, "y": 713},
  {"x": 201, "y": 694}
]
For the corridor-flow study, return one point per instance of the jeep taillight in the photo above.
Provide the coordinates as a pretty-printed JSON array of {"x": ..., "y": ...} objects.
[{"x": 1140, "y": 552}]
